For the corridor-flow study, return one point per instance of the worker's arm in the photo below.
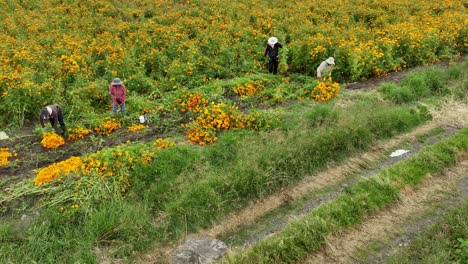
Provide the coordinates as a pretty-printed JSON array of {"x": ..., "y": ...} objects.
[
  {"x": 55, "y": 117},
  {"x": 41, "y": 121}
]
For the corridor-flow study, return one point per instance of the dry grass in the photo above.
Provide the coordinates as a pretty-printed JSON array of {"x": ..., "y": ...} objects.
[{"x": 453, "y": 114}]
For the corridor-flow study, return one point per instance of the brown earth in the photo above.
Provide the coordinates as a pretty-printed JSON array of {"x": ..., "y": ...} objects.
[{"x": 31, "y": 155}]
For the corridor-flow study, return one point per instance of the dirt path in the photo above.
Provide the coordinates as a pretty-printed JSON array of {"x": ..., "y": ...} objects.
[
  {"x": 451, "y": 116},
  {"x": 342, "y": 248}
]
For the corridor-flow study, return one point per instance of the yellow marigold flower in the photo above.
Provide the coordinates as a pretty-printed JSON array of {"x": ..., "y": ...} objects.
[
  {"x": 325, "y": 90},
  {"x": 52, "y": 140},
  {"x": 136, "y": 127},
  {"x": 77, "y": 133},
  {"x": 4, "y": 155},
  {"x": 53, "y": 171}
]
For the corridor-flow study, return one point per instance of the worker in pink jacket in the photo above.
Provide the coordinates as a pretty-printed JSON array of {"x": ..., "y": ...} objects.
[{"x": 117, "y": 92}]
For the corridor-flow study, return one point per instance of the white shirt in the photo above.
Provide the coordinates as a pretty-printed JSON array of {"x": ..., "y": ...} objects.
[{"x": 324, "y": 69}]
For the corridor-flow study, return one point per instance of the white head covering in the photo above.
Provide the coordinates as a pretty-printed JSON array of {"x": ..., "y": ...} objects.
[
  {"x": 272, "y": 41},
  {"x": 330, "y": 60}
]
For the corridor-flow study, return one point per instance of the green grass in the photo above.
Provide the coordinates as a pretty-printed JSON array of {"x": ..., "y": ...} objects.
[
  {"x": 307, "y": 235},
  {"x": 199, "y": 186},
  {"x": 443, "y": 242},
  {"x": 55, "y": 237},
  {"x": 280, "y": 214},
  {"x": 435, "y": 81},
  {"x": 188, "y": 188}
]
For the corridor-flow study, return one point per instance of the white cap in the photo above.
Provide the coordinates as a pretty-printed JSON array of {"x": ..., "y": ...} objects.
[{"x": 142, "y": 119}]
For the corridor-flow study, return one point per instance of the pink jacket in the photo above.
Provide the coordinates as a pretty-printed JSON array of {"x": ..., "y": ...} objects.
[{"x": 117, "y": 91}]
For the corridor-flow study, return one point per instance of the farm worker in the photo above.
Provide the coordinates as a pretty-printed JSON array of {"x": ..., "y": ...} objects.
[
  {"x": 53, "y": 113},
  {"x": 118, "y": 93},
  {"x": 273, "y": 54},
  {"x": 325, "y": 68}
]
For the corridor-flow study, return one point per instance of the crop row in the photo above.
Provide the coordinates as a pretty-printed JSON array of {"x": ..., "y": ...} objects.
[{"x": 68, "y": 52}]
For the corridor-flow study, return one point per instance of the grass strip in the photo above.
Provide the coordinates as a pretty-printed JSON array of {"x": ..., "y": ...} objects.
[
  {"x": 232, "y": 177},
  {"x": 443, "y": 242},
  {"x": 420, "y": 84},
  {"x": 308, "y": 234}
]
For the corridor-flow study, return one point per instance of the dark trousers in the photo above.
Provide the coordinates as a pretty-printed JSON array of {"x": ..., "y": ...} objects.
[
  {"x": 60, "y": 119},
  {"x": 273, "y": 65}
]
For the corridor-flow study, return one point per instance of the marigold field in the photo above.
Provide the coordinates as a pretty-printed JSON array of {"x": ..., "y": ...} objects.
[
  {"x": 69, "y": 51},
  {"x": 218, "y": 132}
]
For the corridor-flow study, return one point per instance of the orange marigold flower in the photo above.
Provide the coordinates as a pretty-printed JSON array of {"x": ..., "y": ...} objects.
[
  {"x": 53, "y": 171},
  {"x": 4, "y": 155},
  {"x": 52, "y": 140}
]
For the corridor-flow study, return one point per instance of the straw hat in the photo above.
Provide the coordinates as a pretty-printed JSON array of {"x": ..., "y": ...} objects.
[
  {"x": 330, "y": 60},
  {"x": 272, "y": 41},
  {"x": 117, "y": 81}
]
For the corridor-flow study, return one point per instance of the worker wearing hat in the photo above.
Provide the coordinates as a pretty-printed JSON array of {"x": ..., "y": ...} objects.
[
  {"x": 325, "y": 68},
  {"x": 273, "y": 54},
  {"x": 118, "y": 93},
  {"x": 53, "y": 114}
]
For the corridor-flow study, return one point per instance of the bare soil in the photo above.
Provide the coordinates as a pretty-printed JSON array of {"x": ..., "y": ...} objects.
[{"x": 31, "y": 155}]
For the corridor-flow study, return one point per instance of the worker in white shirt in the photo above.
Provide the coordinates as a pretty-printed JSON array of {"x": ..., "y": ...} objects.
[{"x": 325, "y": 68}]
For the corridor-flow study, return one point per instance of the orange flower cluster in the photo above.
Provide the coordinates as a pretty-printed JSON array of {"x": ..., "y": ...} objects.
[
  {"x": 136, "y": 127},
  {"x": 215, "y": 118},
  {"x": 325, "y": 90},
  {"x": 201, "y": 137},
  {"x": 53, "y": 171},
  {"x": 4, "y": 155},
  {"x": 51, "y": 140},
  {"x": 253, "y": 121},
  {"x": 77, "y": 133},
  {"x": 109, "y": 162},
  {"x": 248, "y": 88},
  {"x": 163, "y": 143},
  {"x": 107, "y": 127},
  {"x": 194, "y": 102}
]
